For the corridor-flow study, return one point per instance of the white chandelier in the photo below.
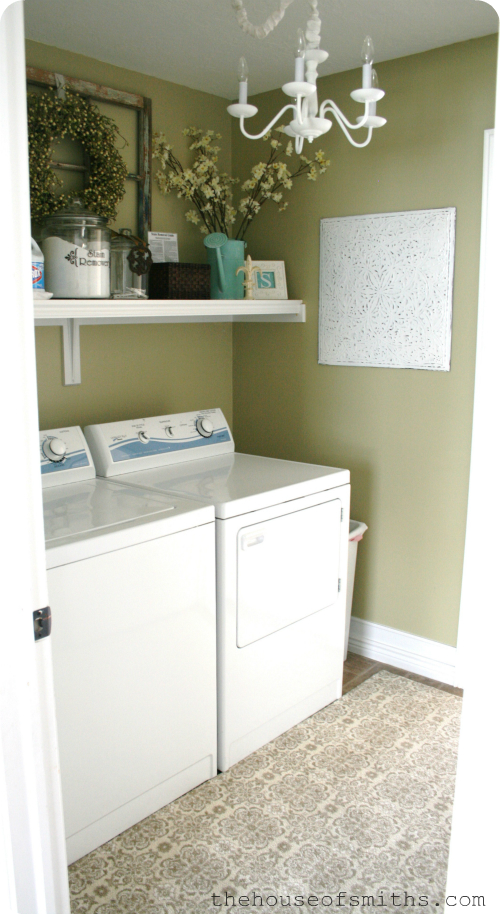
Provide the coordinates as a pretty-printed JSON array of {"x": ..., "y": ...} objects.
[{"x": 309, "y": 119}]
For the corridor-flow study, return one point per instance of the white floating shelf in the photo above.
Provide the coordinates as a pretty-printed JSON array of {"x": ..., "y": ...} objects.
[
  {"x": 71, "y": 314},
  {"x": 97, "y": 311}
]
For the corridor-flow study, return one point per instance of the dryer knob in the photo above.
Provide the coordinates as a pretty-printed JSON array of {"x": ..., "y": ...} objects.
[
  {"x": 205, "y": 427},
  {"x": 144, "y": 437},
  {"x": 54, "y": 449}
]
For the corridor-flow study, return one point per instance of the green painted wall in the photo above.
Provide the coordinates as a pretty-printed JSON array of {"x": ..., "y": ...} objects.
[
  {"x": 131, "y": 370},
  {"x": 405, "y": 435}
]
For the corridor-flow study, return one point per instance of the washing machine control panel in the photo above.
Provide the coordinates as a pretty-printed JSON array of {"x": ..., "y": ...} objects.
[
  {"x": 137, "y": 444},
  {"x": 64, "y": 456}
]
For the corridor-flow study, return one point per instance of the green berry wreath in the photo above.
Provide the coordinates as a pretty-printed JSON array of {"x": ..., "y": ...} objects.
[{"x": 51, "y": 118}]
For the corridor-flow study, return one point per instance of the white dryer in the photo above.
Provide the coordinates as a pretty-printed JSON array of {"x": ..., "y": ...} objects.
[
  {"x": 131, "y": 579},
  {"x": 282, "y": 541}
]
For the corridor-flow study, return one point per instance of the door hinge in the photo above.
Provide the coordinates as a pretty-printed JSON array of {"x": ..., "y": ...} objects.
[
  {"x": 340, "y": 585},
  {"x": 42, "y": 623}
]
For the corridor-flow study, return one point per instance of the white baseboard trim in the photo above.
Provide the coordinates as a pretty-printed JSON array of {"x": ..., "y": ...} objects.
[{"x": 408, "y": 652}]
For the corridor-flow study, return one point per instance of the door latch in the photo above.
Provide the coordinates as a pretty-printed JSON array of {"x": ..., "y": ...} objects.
[{"x": 42, "y": 623}]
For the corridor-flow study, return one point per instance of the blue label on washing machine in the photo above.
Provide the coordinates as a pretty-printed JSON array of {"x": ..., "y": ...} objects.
[{"x": 133, "y": 448}]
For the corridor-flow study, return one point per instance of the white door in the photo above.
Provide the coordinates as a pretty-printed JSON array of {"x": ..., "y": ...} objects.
[
  {"x": 473, "y": 860},
  {"x": 288, "y": 568},
  {"x": 33, "y": 875}
]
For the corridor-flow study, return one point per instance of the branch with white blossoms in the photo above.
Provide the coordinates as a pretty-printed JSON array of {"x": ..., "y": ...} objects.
[
  {"x": 202, "y": 185},
  {"x": 270, "y": 179},
  {"x": 211, "y": 192}
]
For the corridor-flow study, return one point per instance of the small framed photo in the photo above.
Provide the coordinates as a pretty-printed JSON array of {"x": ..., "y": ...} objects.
[{"x": 271, "y": 282}]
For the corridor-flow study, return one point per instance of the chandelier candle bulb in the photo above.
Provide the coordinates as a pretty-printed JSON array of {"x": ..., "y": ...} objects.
[
  {"x": 243, "y": 81},
  {"x": 299, "y": 57},
  {"x": 374, "y": 95},
  {"x": 367, "y": 57}
]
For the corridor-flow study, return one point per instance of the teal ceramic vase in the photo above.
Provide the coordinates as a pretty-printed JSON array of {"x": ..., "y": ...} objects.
[{"x": 224, "y": 257}]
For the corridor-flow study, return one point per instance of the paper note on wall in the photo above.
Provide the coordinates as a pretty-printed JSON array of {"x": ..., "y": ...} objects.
[{"x": 164, "y": 247}]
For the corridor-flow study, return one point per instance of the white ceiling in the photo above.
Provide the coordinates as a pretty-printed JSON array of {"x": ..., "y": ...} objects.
[{"x": 197, "y": 43}]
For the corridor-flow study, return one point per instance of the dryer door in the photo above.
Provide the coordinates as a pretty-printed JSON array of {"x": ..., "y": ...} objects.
[{"x": 288, "y": 568}]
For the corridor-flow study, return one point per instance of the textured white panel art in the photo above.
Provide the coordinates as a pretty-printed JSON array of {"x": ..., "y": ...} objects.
[{"x": 386, "y": 289}]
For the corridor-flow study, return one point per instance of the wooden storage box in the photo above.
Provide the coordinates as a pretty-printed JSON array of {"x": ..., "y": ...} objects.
[{"x": 179, "y": 280}]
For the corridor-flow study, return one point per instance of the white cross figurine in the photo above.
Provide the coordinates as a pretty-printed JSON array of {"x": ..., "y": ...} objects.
[{"x": 248, "y": 282}]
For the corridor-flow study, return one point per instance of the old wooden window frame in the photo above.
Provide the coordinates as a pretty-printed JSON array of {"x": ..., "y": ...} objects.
[{"x": 140, "y": 103}]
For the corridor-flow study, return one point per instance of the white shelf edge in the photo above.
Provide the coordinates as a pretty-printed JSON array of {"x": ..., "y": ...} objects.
[
  {"x": 71, "y": 314},
  {"x": 101, "y": 310}
]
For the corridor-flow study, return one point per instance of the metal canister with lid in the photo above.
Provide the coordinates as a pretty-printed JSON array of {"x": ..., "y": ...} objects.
[
  {"x": 76, "y": 247},
  {"x": 130, "y": 262}
]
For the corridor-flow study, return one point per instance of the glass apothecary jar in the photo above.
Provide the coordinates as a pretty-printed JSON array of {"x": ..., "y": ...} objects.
[
  {"x": 130, "y": 263},
  {"x": 76, "y": 247}
]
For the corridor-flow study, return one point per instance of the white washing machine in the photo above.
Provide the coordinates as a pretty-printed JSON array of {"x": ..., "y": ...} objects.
[
  {"x": 131, "y": 578},
  {"x": 282, "y": 540}
]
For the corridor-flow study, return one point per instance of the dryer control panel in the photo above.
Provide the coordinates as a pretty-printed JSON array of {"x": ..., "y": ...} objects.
[
  {"x": 141, "y": 444},
  {"x": 65, "y": 456}
]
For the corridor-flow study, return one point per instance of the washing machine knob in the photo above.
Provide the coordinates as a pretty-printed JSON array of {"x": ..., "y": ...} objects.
[
  {"x": 144, "y": 437},
  {"x": 54, "y": 449},
  {"x": 205, "y": 427}
]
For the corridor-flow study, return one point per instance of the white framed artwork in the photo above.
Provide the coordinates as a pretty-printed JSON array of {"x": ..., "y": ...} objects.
[
  {"x": 386, "y": 289},
  {"x": 270, "y": 283}
]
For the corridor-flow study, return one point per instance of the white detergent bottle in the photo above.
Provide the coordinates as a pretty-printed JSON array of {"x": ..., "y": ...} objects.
[{"x": 37, "y": 266}]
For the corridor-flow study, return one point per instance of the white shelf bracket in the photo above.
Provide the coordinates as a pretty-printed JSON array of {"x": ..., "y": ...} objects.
[
  {"x": 71, "y": 314},
  {"x": 71, "y": 351}
]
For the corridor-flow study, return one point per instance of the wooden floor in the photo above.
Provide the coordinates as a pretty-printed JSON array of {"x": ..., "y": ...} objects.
[{"x": 357, "y": 669}]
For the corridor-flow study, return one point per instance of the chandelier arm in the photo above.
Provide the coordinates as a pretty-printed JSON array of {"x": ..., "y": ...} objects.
[
  {"x": 329, "y": 105},
  {"x": 258, "y": 136},
  {"x": 349, "y": 137}
]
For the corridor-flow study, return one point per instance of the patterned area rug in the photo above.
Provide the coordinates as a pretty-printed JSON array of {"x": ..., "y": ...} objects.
[{"x": 350, "y": 809}]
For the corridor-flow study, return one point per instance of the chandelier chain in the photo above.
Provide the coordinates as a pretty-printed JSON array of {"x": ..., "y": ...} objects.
[{"x": 259, "y": 31}]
